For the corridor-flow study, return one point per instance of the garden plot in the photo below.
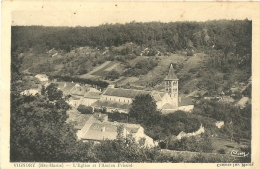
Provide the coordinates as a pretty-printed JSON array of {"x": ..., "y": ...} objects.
[{"x": 102, "y": 70}]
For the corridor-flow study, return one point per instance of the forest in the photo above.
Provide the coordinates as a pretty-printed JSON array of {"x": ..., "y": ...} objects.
[{"x": 226, "y": 35}]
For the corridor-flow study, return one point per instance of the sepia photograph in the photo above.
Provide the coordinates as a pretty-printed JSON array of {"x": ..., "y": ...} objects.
[{"x": 122, "y": 83}]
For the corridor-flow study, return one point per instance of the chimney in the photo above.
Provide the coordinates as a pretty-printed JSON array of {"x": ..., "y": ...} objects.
[{"x": 103, "y": 129}]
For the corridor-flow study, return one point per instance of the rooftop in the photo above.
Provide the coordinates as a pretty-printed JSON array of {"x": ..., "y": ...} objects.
[
  {"x": 65, "y": 86},
  {"x": 78, "y": 119},
  {"x": 243, "y": 101},
  {"x": 132, "y": 93},
  {"x": 171, "y": 75},
  {"x": 111, "y": 104},
  {"x": 185, "y": 101},
  {"x": 107, "y": 130},
  {"x": 92, "y": 95},
  {"x": 128, "y": 93}
]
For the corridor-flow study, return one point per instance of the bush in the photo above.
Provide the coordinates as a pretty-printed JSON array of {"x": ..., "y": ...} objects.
[
  {"x": 85, "y": 109},
  {"x": 190, "y": 52},
  {"x": 222, "y": 151},
  {"x": 187, "y": 91}
]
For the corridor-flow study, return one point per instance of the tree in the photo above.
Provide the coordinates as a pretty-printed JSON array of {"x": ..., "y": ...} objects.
[
  {"x": 53, "y": 93},
  {"x": 39, "y": 131},
  {"x": 85, "y": 109},
  {"x": 112, "y": 75},
  {"x": 143, "y": 108}
]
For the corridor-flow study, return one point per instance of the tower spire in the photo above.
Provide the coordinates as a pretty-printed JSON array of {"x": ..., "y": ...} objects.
[
  {"x": 171, "y": 75},
  {"x": 171, "y": 86}
]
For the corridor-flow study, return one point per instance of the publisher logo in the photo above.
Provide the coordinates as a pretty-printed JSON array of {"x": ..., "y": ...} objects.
[{"x": 238, "y": 154}]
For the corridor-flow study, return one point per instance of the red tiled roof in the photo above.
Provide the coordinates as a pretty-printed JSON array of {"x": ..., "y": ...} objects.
[{"x": 171, "y": 75}]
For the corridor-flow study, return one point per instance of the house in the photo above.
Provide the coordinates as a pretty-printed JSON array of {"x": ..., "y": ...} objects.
[
  {"x": 91, "y": 96},
  {"x": 183, "y": 134},
  {"x": 65, "y": 87},
  {"x": 42, "y": 77},
  {"x": 96, "y": 127},
  {"x": 227, "y": 99},
  {"x": 30, "y": 92},
  {"x": 99, "y": 131},
  {"x": 219, "y": 124},
  {"x": 74, "y": 101},
  {"x": 242, "y": 102},
  {"x": 82, "y": 122}
]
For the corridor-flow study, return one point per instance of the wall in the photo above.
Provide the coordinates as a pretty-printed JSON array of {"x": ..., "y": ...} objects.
[
  {"x": 88, "y": 101},
  {"x": 186, "y": 108},
  {"x": 123, "y": 100}
]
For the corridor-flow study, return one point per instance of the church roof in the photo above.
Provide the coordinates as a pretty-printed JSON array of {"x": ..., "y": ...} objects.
[
  {"x": 171, "y": 75},
  {"x": 132, "y": 93},
  {"x": 128, "y": 93},
  {"x": 168, "y": 106}
]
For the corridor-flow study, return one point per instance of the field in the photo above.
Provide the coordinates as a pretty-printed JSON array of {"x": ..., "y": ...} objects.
[
  {"x": 107, "y": 66},
  {"x": 125, "y": 80},
  {"x": 189, "y": 156},
  {"x": 226, "y": 144}
]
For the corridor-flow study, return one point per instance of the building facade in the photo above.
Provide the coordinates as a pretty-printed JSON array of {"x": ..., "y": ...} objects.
[{"x": 119, "y": 99}]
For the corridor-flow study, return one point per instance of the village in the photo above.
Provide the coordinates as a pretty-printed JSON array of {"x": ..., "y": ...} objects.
[{"x": 95, "y": 126}]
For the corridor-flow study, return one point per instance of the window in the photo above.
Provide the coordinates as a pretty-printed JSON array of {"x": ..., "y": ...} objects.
[
  {"x": 119, "y": 100},
  {"x": 110, "y": 98}
]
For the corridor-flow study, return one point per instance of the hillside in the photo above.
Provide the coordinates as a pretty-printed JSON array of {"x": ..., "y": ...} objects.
[{"x": 137, "y": 55}]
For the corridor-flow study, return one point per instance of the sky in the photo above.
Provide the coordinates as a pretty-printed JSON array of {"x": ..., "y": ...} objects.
[{"x": 96, "y": 13}]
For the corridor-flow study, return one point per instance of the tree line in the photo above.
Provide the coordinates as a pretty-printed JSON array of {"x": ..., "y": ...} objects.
[
  {"x": 99, "y": 83},
  {"x": 222, "y": 34}
]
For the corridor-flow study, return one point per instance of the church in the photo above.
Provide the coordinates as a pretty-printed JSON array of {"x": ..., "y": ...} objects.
[{"x": 119, "y": 99}]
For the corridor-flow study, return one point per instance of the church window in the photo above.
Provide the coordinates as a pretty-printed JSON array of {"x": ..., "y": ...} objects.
[
  {"x": 119, "y": 100},
  {"x": 110, "y": 98}
]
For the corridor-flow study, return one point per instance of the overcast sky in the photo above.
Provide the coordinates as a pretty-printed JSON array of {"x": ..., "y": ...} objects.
[{"x": 96, "y": 13}]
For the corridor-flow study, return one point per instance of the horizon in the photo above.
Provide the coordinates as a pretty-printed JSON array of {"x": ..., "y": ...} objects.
[
  {"x": 97, "y": 13},
  {"x": 144, "y": 22}
]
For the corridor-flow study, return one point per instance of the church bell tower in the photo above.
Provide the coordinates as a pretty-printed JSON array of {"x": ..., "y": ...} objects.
[{"x": 171, "y": 86}]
